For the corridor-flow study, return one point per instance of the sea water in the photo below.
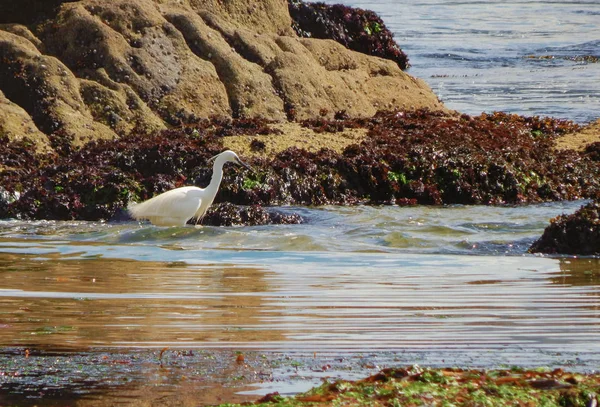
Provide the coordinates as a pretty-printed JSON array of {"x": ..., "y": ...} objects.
[
  {"x": 525, "y": 57},
  {"x": 349, "y": 279}
]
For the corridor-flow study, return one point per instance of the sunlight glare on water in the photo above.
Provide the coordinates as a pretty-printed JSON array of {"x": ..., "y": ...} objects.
[{"x": 517, "y": 56}]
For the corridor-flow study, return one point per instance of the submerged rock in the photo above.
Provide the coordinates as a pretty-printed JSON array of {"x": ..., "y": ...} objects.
[
  {"x": 227, "y": 214},
  {"x": 577, "y": 234}
]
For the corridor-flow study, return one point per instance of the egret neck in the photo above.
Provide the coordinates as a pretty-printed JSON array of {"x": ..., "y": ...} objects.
[{"x": 215, "y": 180}]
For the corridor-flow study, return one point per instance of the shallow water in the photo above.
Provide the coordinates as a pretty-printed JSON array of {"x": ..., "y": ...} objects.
[
  {"x": 350, "y": 279},
  {"x": 516, "y": 56},
  {"x": 353, "y": 289}
]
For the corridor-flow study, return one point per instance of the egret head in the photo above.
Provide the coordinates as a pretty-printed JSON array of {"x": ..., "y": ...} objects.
[{"x": 229, "y": 156}]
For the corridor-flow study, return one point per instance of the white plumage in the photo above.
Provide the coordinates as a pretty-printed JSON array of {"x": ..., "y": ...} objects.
[{"x": 177, "y": 206}]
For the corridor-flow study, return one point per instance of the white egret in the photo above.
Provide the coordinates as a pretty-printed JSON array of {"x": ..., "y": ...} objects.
[{"x": 177, "y": 206}]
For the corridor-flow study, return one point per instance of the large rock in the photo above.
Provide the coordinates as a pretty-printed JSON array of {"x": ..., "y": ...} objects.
[
  {"x": 261, "y": 16},
  {"x": 321, "y": 77},
  {"x": 575, "y": 234},
  {"x": 137, "y": 46},
  {"x": 249, "y": 88},
  {"x": 100, "y": 69},
  {"x": 17, "y": 124},
  {"x": 46, "y": 89}
]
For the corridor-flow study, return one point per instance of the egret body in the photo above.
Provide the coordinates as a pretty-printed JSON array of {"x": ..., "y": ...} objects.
[{"x": 179, "y": 205}]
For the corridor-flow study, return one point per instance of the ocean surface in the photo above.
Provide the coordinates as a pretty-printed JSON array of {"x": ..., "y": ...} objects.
[
  {"x": 525, "y": 57},
  {"x": 350, "y": 279}
]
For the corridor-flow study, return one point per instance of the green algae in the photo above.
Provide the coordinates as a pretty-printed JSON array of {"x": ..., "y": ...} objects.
[{"x": 415, "y": 386}]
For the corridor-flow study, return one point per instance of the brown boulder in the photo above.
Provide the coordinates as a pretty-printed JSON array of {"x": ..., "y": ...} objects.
[
  {"x": 100, "y": 69},
  {"x": 46, "y": 90},
  {"x": 17, "y": 124}
]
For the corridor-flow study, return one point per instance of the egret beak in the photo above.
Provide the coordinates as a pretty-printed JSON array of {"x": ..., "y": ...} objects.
[
  {"x": 243, "y": 164},
  {"x": 211, "y": 159}
]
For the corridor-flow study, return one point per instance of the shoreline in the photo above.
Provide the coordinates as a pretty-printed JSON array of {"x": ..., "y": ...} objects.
[{"x": 168, "y": 376}]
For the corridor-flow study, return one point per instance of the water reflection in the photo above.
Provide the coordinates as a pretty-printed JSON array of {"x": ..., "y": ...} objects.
[
  {"x": 112, "y": 302},
  {"x": 301, "y": 301},
  {"x": 579, "y": 272}
]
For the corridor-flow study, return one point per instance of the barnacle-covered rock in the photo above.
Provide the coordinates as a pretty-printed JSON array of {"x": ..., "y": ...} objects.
[{"x": 47, "y": 90}]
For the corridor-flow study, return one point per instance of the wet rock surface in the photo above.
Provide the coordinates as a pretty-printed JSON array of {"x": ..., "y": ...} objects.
[{"x": 578, "y": 233}]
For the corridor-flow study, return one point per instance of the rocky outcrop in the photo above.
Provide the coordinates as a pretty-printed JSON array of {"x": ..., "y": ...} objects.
[
  {"x": 390, "y": 158},
  {"x": 96, "y": 69},
  {"x": 576, "y": 234},
  {"x": 135, "y": 45},
  {"x": 46, "y": 89}
]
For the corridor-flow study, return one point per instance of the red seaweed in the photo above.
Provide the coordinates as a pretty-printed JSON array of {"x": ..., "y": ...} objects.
[
  {"x": 407, "y": 158},
  {"x": 356, "y": 29}
]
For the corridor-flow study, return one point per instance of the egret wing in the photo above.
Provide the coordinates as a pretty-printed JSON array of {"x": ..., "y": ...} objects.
[{"x": 172, "y": 207}]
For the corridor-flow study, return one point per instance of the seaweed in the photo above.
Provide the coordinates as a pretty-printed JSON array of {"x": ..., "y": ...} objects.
[
  {"x": 593, "y": 151},
  {"x": 417, "y": 386},
  {"x": 407, "y": 158},
  {"x": 356, "y": 29},
  {"x": 578, "y": 233}
]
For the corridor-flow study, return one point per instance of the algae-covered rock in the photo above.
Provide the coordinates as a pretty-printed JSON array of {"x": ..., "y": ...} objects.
[
  {"x": 401, "y": 158},
  {"x": 577, "y": 234},
  {"x": 227, "y": 214},
  {"x": 357, "y": 29}
]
